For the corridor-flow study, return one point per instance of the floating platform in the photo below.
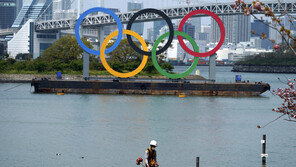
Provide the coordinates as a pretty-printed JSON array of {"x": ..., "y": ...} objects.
[{"x": 152, "y": 87}]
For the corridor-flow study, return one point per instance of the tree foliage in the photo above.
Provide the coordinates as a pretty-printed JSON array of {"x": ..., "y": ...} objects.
[
  {"x": 125, "y": 58},
  {"x": 281, "y": 57},
  {"x": 124, "y": 52},
  {"x": 65, "y": 49},
  {"x": 65, "y": 55}
]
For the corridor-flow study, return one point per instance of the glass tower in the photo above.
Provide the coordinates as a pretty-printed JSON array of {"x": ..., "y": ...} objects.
[
  {"x": 137, "y": 27},
  {"x": 32, "y": 9},
  {"x": 7, "y": 13}
]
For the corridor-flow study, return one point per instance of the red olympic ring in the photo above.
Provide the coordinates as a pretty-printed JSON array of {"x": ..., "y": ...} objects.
[{"x": 222, "y": 29}]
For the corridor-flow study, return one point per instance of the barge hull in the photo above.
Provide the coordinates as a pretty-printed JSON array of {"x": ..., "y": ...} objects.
[{"x": 150, "y": 88}]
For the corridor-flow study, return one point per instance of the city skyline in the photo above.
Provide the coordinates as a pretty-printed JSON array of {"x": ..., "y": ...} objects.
[{"x": 238, "y": 27}]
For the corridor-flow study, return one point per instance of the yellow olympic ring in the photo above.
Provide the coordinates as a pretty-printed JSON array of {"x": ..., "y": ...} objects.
[{"x": 118, "y": 74}]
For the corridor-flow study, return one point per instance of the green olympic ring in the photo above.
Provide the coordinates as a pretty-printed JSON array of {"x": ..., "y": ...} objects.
[{"x": 189, "y": 70}]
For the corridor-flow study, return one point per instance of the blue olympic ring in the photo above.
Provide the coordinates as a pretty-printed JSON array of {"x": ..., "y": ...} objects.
[{"x": 99, "y": 9}]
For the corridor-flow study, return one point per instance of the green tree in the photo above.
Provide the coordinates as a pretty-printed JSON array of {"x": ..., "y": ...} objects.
[
  {"x": 19, "y": 66},
  {"x": 149, "y": 68},
  {"x": 124, "y": 57},
  {"x": 1, "y": 50},
  {"x": 76, "y": 65},
  {"x": 40, "y": 66},
  {"x": 3, "y": 65},
  {"x": 65, "y": 49},
  {"x": 95, "y": 65},
  {"x": 10, "y": 61},
  {"x": 56, "y": 65},
  {"x": 167, "y": 66},
  {"x": 6, "y": 56},
  {"x": 124, "y": 52}
]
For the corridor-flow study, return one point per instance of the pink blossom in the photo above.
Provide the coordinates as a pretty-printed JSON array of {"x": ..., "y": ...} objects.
[
  {"x": 258, "y": 6},
  {"x": 276, "y": 47}
]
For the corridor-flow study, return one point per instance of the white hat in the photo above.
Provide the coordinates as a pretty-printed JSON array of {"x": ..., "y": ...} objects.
[{"x": 153, "y": 143}]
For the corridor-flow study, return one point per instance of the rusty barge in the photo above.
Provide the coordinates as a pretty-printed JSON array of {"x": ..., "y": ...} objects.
[{"x": 156, "y": 87}]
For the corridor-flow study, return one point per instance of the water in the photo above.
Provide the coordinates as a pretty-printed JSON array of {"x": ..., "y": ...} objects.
[{"x": 114, "y": 130}]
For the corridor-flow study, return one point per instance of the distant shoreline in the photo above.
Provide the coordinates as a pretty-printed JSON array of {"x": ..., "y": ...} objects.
[
  {"x": 264, "y": 69},
  {"x": 228, "y": 65}
]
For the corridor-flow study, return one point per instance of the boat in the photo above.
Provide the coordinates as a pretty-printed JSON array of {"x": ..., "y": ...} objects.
[
  {"x": 150, "y": 87},
  {"x": 182, "y": 95}
]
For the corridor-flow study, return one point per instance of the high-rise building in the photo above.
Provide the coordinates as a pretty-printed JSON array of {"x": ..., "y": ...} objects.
[
  {"x": 32, "y": 9},
  {"x": 66, "y": 4},
  {"x": 189, "y": 29},
  {"x": 7, "y": 13},
  {"x": 237, "y": 28},
  {"x": 18, "y": 6},
  {"x": 157, "y": 25},
  {"x": 109, "y": 29},
  {"x": 204, "y": 34},
  {"x": 57, "y": 5},
  {"x": 275, "y": 35},
  {"x": 288, "y": 24},
  {"x": 61, "y": 9},
  {"x": 197, "y": 23},
  {"x": 137, "y": 27},
  {"x": 150, "y": 35},
  {"x": 260, "y": 28}
]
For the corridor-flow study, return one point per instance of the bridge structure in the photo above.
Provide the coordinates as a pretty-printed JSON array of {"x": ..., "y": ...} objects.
[
  {"x": 10, "y": 31},
  {"x": 173, "y": 13}
]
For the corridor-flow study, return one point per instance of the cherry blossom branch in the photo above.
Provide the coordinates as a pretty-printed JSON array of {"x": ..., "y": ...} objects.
[{"x": 289, "y": 15}]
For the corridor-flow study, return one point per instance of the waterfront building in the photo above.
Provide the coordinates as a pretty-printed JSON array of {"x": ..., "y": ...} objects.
[
  {"x": 177, "y": 53},
  {"x": 288, "y": 24},
  {"x": 7, "y": 13},
  {"x": 235, "y": 52},
  {"x": 150, "y": 35},
  {"x": 27, "y": 41},
  {"x": 237, "y": 29},
  {"x": 196, "y": 22},
  {"x": 32, "y": 9},
  {"x": 137, "y": 27},
  {"x": 189, "y": 29},
  {"x": 275, "y": 35},
  {"x": 157, "y": 25},
  {"x": 260, "y": 28}
]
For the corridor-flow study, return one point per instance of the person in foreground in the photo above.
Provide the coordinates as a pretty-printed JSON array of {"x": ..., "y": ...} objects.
[{"x": 150, "y": 155}]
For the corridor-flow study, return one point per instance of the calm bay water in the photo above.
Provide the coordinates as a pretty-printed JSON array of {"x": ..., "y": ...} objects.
[{"x": 114, "y": 130}]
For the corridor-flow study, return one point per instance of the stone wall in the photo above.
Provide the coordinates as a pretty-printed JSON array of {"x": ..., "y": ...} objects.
[{"x": 264, "y": 69}]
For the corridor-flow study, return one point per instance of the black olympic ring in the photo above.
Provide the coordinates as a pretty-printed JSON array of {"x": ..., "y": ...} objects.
[{"x": 165, "y": 17}]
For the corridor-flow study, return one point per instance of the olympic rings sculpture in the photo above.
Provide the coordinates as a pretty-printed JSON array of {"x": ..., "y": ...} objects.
[{"x": 154, "y": 52}]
